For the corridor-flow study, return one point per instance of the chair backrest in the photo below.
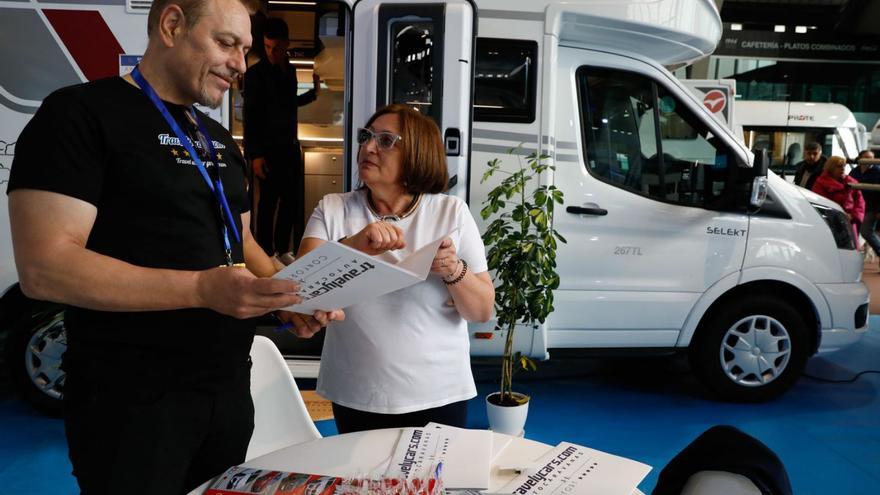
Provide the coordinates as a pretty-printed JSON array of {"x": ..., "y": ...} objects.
[{"x": 280, "y": 415}]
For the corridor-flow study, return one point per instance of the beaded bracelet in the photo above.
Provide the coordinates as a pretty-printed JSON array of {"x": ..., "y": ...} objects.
[{"x": 464, "y": 268}]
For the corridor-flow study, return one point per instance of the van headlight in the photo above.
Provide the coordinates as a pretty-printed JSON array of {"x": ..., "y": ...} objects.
[{"x": 841, "y": 227}]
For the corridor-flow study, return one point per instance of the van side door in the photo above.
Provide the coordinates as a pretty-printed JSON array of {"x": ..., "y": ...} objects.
[
  {"x": 649, "y": 222},
  {"x": 417, "y": 53}
]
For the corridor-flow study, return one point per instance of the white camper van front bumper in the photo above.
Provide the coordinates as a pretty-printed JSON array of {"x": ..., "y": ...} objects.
[{"x": 849, "y": 314}]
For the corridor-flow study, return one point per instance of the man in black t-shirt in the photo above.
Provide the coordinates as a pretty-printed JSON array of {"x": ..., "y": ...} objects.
[
  {"x": 271, "y": 143},
  {"x": 112, "y": 215}
]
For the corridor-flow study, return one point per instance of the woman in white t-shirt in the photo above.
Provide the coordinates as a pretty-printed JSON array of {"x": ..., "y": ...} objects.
[{"x": 401, "y": 359}]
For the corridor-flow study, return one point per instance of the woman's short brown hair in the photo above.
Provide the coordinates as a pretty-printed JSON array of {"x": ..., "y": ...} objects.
[
  {"x": 424, "y": 157},
  {"x": 834, "y": 161}
]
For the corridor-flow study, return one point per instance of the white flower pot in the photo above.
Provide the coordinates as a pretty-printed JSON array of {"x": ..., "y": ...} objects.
[{"x": 507, "y": 419}]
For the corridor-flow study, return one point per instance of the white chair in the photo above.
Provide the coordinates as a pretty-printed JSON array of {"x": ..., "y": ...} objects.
[
  {"x": 714, "y": 482},
  {"x": 280, "y": 415}
]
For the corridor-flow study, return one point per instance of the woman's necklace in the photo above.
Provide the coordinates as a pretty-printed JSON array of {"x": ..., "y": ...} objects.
[{"x": 409, "y": 210}]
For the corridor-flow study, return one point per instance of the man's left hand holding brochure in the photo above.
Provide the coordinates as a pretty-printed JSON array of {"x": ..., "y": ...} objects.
[{"x": 335, "y": 276}]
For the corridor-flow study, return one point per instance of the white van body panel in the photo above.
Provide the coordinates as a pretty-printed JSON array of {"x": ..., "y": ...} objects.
[{"x": 34, "y": 67}]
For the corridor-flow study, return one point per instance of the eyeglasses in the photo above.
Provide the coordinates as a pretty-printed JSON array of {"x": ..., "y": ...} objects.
[{"x": 384, "y": 140}]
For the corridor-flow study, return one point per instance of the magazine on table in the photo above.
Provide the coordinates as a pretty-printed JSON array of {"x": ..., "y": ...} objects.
[
  {"x": 243, "y": 480},
  {"x": 240, "y": 480},
  {"x": 335, "y": 276}
]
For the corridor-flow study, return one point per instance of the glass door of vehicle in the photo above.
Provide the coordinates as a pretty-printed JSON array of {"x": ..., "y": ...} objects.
[{"x": 419, "y": 54}]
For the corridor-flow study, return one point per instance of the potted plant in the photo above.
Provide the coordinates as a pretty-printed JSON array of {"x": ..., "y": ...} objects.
[{"x": 521, "y": 245}]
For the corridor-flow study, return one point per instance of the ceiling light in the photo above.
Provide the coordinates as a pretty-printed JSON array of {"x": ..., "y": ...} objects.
[
  {"x": 779, "y": 28},
  {"x": 736, "y": 27},
  {"x": 800, "y": 29}
]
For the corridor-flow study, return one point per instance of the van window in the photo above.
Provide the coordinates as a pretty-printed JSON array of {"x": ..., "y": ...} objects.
[
  {"x": 505, "y": 80},
  {"x": 640, "y": 137}
]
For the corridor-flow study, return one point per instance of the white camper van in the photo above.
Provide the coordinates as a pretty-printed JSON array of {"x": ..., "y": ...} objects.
[
  {"x": 784, "y": 127},
  {"x": 671, "y": 245}
]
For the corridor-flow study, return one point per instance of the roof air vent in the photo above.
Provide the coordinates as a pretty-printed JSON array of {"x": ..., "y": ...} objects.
[{"x": 138, "y": 6}]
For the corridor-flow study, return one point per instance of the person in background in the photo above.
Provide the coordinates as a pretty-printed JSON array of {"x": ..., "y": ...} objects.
[
  {"x": 408, "y": 349},
  {"x": 810, "y": 168},
  {"x": 136, "y": 217},
  {"x": 833, "y": 184},
  {"x": 868, "y": 173},
  {"x": 271, "y": 142}
]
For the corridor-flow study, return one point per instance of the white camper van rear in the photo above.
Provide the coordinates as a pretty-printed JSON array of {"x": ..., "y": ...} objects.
[{"x": 783, "y": 128}]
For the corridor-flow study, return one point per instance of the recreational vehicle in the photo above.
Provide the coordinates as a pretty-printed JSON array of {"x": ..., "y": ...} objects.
[{"x": 678, "y": 241}]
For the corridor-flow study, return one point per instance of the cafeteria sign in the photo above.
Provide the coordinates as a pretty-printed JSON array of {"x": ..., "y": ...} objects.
[{"x": 794, "y": 46}]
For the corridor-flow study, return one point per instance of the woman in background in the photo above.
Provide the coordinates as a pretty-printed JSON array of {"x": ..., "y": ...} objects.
[{"x": 833, "y": 183}]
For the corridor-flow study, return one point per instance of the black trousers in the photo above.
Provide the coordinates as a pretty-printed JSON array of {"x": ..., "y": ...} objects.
[
  {"x": 350, "y": 420},
  {"x": 157, "y": 433},
  {"x": 280, "y": 213}
]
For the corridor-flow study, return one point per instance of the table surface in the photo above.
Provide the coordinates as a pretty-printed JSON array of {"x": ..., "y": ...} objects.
[{"x": 367, "y": 452}]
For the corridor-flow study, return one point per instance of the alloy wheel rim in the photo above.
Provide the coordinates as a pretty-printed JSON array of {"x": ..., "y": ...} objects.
[
  {"x": 755, "y": 350},
  {"x": 42, "y": 357}
]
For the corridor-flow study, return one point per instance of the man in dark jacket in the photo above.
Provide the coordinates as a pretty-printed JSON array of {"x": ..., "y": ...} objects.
[
  {"x": 810, "y": 168},
  {"x": 271, "y": 142},
  {"x": 868, "y": 173}
]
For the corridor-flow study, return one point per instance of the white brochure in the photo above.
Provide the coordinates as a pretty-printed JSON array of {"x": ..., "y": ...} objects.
[
  {"x": 335, "y": 276},
  {"x": 465, "y": 455},
  {"x": 569, "y": 468}
]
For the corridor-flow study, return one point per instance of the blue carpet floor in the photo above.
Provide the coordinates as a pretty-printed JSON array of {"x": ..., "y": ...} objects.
[{"x": 648, "y": 409}]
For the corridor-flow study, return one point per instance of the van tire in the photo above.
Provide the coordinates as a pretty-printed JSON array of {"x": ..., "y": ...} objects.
[
  {"x": 751, "y": 349},
  {"x": 33, "y": 356}
]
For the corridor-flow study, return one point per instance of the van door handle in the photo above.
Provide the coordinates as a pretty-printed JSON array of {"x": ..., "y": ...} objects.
[{"x": 582, "y": 210}]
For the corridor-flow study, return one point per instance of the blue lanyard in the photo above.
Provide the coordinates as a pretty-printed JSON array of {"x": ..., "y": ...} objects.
[{"x": 216, "y": 185}]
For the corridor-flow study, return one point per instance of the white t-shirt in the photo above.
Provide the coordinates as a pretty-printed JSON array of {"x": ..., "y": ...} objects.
[{"x": 408, "y": 350}]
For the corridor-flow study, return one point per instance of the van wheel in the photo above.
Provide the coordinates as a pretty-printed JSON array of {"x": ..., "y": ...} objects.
[
  {"x": 750, "y": 350},
  {"x": 33, "y": 355}
]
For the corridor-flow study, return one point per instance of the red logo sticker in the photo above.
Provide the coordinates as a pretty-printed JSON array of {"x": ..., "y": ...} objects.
[{"x": 715, "y": 100}]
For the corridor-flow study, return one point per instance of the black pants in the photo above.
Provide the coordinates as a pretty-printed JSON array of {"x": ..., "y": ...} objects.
[
  {"x": 280, "y": 210},
  {"x": 350, "y": 420},
  {"x": 156, "y": 433}
]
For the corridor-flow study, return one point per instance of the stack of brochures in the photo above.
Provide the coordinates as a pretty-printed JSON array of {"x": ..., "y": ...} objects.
[{"x": 437, "y": 459}]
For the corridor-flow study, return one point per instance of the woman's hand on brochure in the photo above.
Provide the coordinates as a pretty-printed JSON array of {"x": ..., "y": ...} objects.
[
  {"x": 445, "y": 263},
  {"x": 305, "y": 326},
  {"x": 376, "y": 238}
]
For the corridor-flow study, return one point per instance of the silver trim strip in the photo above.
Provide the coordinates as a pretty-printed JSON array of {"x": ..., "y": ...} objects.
[
  {"x": 503, "y": 150},
  {"x": 506, "y": 14},
  {"x": 567, "y": 158},
  {"x": 505, "y": 136}
]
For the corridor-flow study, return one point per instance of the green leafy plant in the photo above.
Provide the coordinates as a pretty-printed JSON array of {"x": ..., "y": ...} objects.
[{"x": 522, "y": 252}]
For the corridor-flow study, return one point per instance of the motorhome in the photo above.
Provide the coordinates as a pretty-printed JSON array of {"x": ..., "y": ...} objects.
[
  {"x": 784, "y": 127},
  {"x": 678, "y": 241}
]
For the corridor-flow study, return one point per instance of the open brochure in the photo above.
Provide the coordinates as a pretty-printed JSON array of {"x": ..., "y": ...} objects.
[
  {"x": 569, "y": 468},
  {"x": 335, "y": 276}
]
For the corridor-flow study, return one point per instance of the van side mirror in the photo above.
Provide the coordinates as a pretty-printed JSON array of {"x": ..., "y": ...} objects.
[
  {"x": 759, "y": 180},
  {"x": 762, "y": 163}
]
